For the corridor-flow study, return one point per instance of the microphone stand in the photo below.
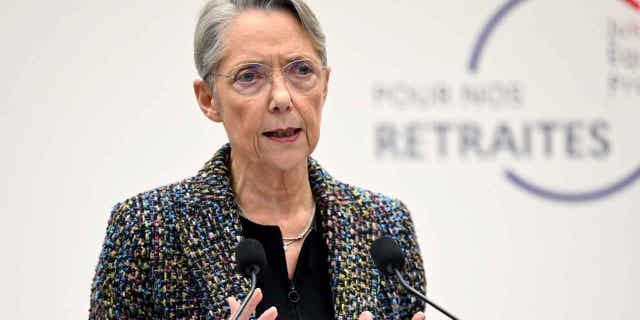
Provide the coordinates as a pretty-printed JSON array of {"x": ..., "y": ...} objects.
[
  {"x": 422, "y": 296},
  {"x": 254, "y": 271}
]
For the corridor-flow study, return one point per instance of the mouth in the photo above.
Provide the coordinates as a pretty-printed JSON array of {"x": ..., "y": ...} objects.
[{"x": 282, "y": 133}]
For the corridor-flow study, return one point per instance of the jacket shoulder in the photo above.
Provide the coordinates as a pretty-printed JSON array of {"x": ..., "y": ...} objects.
[
  {"x": 122, "y": 285},
  {"x": 159, "y": 199},
  {"x": 386, "y": 207}
]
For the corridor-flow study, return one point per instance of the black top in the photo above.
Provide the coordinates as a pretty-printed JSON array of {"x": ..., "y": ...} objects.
[{"x": 308, "y": 295}]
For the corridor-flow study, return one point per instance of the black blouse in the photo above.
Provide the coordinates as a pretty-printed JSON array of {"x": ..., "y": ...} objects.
[{"x": 308, "y": 295}]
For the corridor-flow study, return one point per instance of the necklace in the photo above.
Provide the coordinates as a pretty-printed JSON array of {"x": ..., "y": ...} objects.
[{"x": 287, "y": 241}]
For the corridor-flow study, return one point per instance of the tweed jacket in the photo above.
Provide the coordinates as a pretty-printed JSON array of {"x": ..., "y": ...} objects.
[{"x": 169, "y": 252}]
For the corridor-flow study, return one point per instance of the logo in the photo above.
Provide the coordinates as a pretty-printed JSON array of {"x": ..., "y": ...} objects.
[
  {"x": 574, "y": 139},
  {"x": 634, "y": 4},
  {"x": 510, "y": 174}
]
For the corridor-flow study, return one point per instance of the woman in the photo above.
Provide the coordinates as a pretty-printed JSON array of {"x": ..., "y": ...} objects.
[{"x": 169, "y": 252}]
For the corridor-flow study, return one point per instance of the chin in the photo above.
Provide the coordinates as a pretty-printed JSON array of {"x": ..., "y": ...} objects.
[{"x": 288, "y": 160}]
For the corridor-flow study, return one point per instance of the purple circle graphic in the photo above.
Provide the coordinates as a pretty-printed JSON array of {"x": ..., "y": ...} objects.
[
  {"x": 488, "y": 29},
  {"x": 591, "y": 195},
  {"x": 513, "y": 177}
]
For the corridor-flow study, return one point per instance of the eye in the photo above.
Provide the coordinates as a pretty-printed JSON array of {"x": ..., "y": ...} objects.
[
  {"x": 301, "y": 68},
  {"x": 249, "y": 75}
]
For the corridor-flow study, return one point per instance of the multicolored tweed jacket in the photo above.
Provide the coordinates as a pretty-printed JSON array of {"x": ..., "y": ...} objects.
[{"x": 169, "y": 252}]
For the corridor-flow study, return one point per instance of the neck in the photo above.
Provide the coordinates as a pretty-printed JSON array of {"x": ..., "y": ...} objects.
[{"x": 273, "y": 196}]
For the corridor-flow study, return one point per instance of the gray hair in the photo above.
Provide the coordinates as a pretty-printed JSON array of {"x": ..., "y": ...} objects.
[{"x": 216, "y": 16}]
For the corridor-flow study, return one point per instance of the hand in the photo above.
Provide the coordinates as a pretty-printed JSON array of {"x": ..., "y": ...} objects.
[
  {"x": 368, "y": 316},
  {"x": 270, "y": 314}
]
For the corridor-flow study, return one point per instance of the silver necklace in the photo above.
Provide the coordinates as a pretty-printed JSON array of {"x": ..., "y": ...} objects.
[{"x": 287, "y": 241}]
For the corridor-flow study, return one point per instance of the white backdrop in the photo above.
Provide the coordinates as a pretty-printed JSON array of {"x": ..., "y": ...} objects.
[{"x": 98, "y": 106}]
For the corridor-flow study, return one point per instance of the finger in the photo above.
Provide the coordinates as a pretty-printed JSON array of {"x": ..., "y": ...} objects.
[
  {"x": 366, "y": 316},
  {"x": 419, "y": 316},
  {"x": 233, "y": 304},
  {"x": 253, "y": 303},
  {"x": 269, "y": 314}
]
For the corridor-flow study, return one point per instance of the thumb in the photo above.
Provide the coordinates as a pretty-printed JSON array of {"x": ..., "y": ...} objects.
[
  {"x": 366, "y": 316},
  {"x": 233, "y": 304}
]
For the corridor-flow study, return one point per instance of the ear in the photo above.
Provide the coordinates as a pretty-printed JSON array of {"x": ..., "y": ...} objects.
[{"x": 206, "y": 100}]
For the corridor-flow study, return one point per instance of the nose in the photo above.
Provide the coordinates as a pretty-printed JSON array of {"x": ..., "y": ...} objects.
[{"x": 280, "y": 96}]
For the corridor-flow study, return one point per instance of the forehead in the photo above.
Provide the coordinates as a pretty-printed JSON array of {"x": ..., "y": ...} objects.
[{"x": 270, "y": 36}]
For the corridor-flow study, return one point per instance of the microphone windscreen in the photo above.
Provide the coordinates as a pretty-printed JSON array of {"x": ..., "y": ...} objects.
[
  {"x": 387, "y": 255},
  {"x": 249, "y": 255}
]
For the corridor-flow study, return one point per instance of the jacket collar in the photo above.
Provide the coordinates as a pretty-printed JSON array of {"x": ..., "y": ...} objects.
[{"x": 210, "y": 230}]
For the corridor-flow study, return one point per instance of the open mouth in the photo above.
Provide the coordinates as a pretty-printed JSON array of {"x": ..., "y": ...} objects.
[{"x": 282, "y": 133}]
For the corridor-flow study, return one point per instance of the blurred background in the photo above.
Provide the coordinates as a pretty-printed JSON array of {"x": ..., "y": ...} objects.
[{"x": 509, "y": 128}]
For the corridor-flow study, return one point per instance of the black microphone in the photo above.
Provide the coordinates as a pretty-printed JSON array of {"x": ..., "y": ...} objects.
[
  {"x": 388, "y": 257},
  {"x": 251, "y": 260}
]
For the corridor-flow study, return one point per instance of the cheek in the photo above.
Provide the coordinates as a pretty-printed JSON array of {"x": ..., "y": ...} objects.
[
  {"x": 242, "y": 117},
  {"x": 312, "y": 116},
  {"x": 237, "y": 108}
]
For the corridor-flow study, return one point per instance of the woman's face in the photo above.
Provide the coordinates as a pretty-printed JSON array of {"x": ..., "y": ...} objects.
[{"x": 279, "y": 124}]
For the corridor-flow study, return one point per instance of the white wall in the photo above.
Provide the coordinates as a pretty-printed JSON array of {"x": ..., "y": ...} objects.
[{"x": 98, "y": 106}]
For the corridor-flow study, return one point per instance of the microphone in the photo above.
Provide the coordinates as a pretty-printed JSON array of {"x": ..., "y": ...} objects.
[
  {"x": 388, "y": 257},
  {"x": 251, "y": 260}
]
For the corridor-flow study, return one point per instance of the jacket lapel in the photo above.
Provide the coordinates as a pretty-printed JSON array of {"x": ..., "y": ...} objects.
[
  {"x": 209, "y": 231},
  {"x": 348, "y": 234}
]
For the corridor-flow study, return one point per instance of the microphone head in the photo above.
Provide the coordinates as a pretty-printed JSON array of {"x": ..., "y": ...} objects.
[
  {"x": 387, "y": 255},
  {"x": 250, "y": 257}
]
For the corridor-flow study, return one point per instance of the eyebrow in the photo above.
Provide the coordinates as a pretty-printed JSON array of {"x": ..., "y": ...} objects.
[
  {"x": 298, "y": 57},
  {"x": 263, "y": 62}
]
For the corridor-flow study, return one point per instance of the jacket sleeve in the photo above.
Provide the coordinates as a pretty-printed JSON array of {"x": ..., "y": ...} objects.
[
  {"x": 121, "y": 286},
  {"x": 413, "y": 271}
]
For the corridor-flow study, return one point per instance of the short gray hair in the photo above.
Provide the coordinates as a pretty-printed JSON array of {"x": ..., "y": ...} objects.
[{"x": 216, "y": 16}]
